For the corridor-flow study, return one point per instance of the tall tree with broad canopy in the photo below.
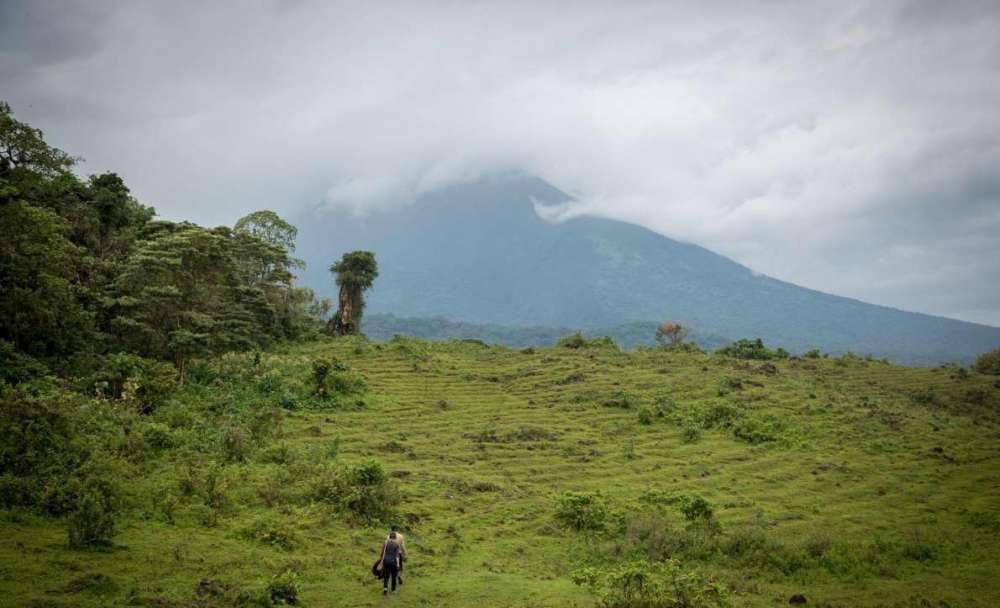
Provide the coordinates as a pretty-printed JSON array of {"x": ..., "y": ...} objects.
[{"x": 356, "y": 272}]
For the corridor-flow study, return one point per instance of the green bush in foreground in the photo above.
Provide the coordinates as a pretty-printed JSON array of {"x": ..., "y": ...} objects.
[{"x": 642, "y": 584}]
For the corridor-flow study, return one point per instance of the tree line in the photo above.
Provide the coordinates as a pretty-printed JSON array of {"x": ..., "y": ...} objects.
[{"x": 86, "y": 270}]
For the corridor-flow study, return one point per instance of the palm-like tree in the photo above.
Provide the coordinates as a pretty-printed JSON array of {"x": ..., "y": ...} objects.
[{"x": 356, "y": 272}]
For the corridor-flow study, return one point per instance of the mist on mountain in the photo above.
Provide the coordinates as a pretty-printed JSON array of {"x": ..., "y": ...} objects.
[{"x": 481, "y": 253}]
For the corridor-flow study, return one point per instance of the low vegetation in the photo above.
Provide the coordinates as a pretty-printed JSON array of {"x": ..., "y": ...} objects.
[{"x": 653, "y": 478}]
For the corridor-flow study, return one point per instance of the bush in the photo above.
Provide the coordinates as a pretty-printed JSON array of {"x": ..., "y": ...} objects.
[
  {"x": 331, "y": 379},
  {"x": 283, "y": 589},
  {"x": 272, "y": 533},
  {"x": 756, "y": 430},
  {"x": 641, "y": 584},
  {"x": 95, "y": 497},
  {"x": 143, "y": 383},
  {"x": 696, "y": 508},
  {"x": 157, "y": 436},
  {"x": 363, "y": 491},
  {"x": 577, "y": 340},
  {"x": 582, "y": 511},
  {"x": 690, "y": 434},
  {"x": 215, "y": 495},
  {"x": 717, "y": 415},
  {"x": 572, "y": 341},
  {"x": 92, "y": 522},
  {"x": 812, "y": 354},
  {"x": 988, "y": 363},
  {"x": 752, "y": 349},
  {"x": 235, "y": 443},
  {"x": 38, "y": 448},
  {"x": 645, "y": 416}
]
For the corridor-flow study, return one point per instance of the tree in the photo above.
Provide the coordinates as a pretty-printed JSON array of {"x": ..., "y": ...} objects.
[
  {"x": 988, "y": 363},
  {"x": 356, "y": 272},
  {"x": 23, "y": 148},
  {"x": 670, "y": 334},
  {"x": 268, "y": 226}
]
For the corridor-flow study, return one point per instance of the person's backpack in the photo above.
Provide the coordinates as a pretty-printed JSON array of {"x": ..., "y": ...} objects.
[{"x": 375, "y": 571}]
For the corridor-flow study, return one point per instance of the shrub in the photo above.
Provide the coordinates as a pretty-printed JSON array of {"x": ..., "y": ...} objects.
[
  {"x": 330, "y": 379},
  {"x": 721, "y": 415},
  {"x": 747, "y": 544},
  {"x": 265, "y": 424},
  {"x": 572, "y": 341},
  {"x": 95, "y": 503},
  {"x": 812, "y": 354},
  {"x": 577, "y": 340},
  {"x": 92, "y": 522},
  {"x": 690, "y": 434},
  {"x": 363, "y": 491},
  {"x": 696, "y": 508},
  {"x": 755, "y": 430},
  {"x": 272, "y": 533},
  {"x": 157, "y": 436},
  {"x": 752, "y": 349},
  {"x": 925, "y": 397},
  {"x": 143, "y": 383},
  {"x": 645, "y": 416},
  {"x": 37, "y": 445},
  {"x": 988, "y": 363},
  {"x": 320, "y": 372},
  {"x": 582, "y": 511},
  {"x": 235, "y": 443},
  {"x": 641, "y": 584},
  {"x": 273, "y": 488},
  {"x": 216, "y": 495},
  {"x": 283, "y": 589}
]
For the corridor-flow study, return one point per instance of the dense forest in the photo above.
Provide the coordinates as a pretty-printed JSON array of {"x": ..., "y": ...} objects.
[
  {"x": 99, "y": 298},
  {"x": 89, "y": 275}
]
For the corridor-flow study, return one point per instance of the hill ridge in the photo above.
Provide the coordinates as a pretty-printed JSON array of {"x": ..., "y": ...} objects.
[{"x": 479, "y": 252}]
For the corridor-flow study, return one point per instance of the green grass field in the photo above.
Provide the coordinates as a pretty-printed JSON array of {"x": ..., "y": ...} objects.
[{"x": 852, "y": 482}]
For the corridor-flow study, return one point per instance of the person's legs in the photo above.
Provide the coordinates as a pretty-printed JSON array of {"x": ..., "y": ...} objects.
[
  {"x": 400, "y": 575},
  {"x": 385, "y": 578},
  {"x": 395, "y": 573}
]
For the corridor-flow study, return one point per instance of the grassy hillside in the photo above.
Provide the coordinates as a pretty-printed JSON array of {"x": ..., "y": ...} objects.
[{"x": 853, "y": 482}]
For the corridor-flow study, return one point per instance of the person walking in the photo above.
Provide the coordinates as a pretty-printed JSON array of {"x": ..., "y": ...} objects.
[
  {"x": 402, "y": 550},
  {"x": 389, "y": 562}
]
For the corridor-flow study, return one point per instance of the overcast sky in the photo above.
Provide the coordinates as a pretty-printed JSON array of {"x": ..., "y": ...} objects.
[{"x": 850, "y": 147}]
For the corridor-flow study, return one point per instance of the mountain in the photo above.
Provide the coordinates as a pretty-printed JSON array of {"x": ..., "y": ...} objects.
[{"x": 480, "y": 253}]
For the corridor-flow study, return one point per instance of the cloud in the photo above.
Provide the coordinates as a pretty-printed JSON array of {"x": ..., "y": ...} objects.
[{"x": 846, "y": 146}]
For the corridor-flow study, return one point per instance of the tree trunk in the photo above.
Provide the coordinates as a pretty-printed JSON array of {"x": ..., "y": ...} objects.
[{"x": 343, "y": 322}]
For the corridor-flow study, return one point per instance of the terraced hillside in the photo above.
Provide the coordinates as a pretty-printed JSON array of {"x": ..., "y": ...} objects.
[{"x": 850, "y": 482}]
